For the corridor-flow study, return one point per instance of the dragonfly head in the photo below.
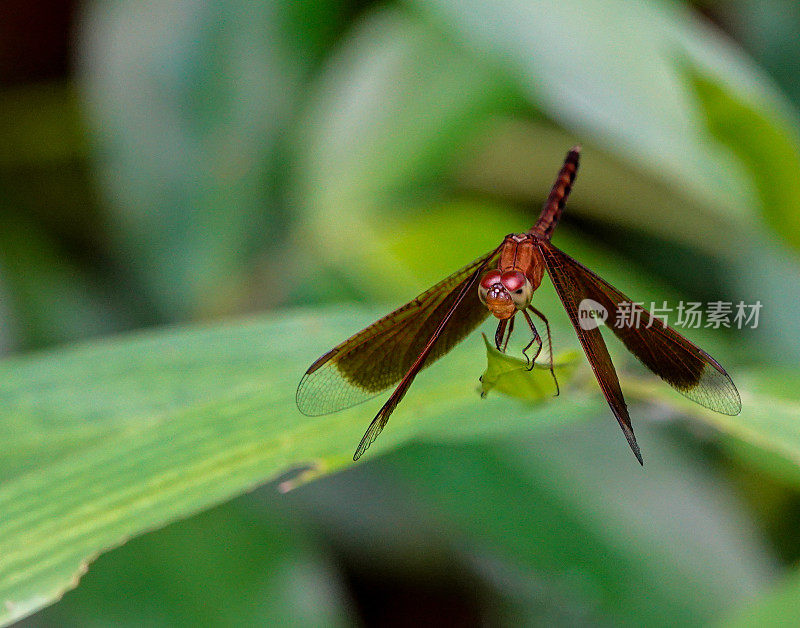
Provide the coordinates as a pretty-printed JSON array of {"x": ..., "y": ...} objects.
[{"x": 504, "y": 293}]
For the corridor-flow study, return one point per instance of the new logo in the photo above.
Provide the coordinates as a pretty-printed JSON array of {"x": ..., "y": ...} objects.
[{"x": 591, "y": 314}]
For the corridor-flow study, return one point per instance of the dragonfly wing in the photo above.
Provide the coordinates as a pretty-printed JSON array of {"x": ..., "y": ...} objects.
[
  {"x": 449, "y": 326},
  {"x": 569, "y": 288},
  {"x": 676, "y": 360},
  {"x": 380, "y": 355}
]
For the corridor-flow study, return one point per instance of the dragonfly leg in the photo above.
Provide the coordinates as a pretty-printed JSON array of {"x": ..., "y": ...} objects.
[
  {"x": 549, "y": 345},
  {"x": 510, "y": 330},
  {"x": 536, "y": 338},
  {"x": 498, "y": 335}
]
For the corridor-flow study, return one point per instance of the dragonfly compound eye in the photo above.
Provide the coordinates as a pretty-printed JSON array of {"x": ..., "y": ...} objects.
[
  {"x": 519, "y": 288},
  {"x": 513, "y": 280},
  {"x": 487, "y": 281},
  {"x": 490, "y": 278}
]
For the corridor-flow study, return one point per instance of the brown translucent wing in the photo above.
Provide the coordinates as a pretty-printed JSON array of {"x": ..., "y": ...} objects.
[
  {"x": 568, "y": 285},
  {"x": 380, "y": 355},
  {"x": 447, "y": 327},
  {"x": 676, "y": 360}
]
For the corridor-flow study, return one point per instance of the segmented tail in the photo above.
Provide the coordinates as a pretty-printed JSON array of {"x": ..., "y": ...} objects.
[{"x": 551, "y": 212}]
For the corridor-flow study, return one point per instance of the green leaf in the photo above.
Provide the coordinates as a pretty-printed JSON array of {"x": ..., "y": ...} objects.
[
  {"x": 110, "y": 439},
  {"x": 154, "y": 427},
  {"x": 511, "y": 376}
]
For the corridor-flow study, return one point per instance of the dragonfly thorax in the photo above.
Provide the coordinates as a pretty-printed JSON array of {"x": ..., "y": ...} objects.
[{"x": 505, "y": 293}]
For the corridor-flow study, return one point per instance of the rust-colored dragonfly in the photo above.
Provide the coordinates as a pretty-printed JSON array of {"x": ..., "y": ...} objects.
[{"x": 502, "y": 282}]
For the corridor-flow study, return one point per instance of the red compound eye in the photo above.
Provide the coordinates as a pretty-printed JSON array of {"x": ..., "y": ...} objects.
[
  {"x": 490, "y": 278},
  {"x": 513, "y": 280}
]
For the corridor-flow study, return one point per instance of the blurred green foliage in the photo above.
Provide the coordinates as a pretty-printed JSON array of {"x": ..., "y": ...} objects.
[{"x": 201, "y": 161}]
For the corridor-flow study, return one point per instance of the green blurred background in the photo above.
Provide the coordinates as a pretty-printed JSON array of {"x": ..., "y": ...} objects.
[{"x": 189, "y": 162}]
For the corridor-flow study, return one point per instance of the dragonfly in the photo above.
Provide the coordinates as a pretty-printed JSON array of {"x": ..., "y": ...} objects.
[{"x": 394, "y": 349}]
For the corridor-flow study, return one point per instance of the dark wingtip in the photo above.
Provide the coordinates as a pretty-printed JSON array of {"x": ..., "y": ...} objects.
[
  {"x": 375, "y": 428},
  {"x": 362, "y": 447},
  {"x": 631, "y": 438},
  {"x": 635, "y": 448}
]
